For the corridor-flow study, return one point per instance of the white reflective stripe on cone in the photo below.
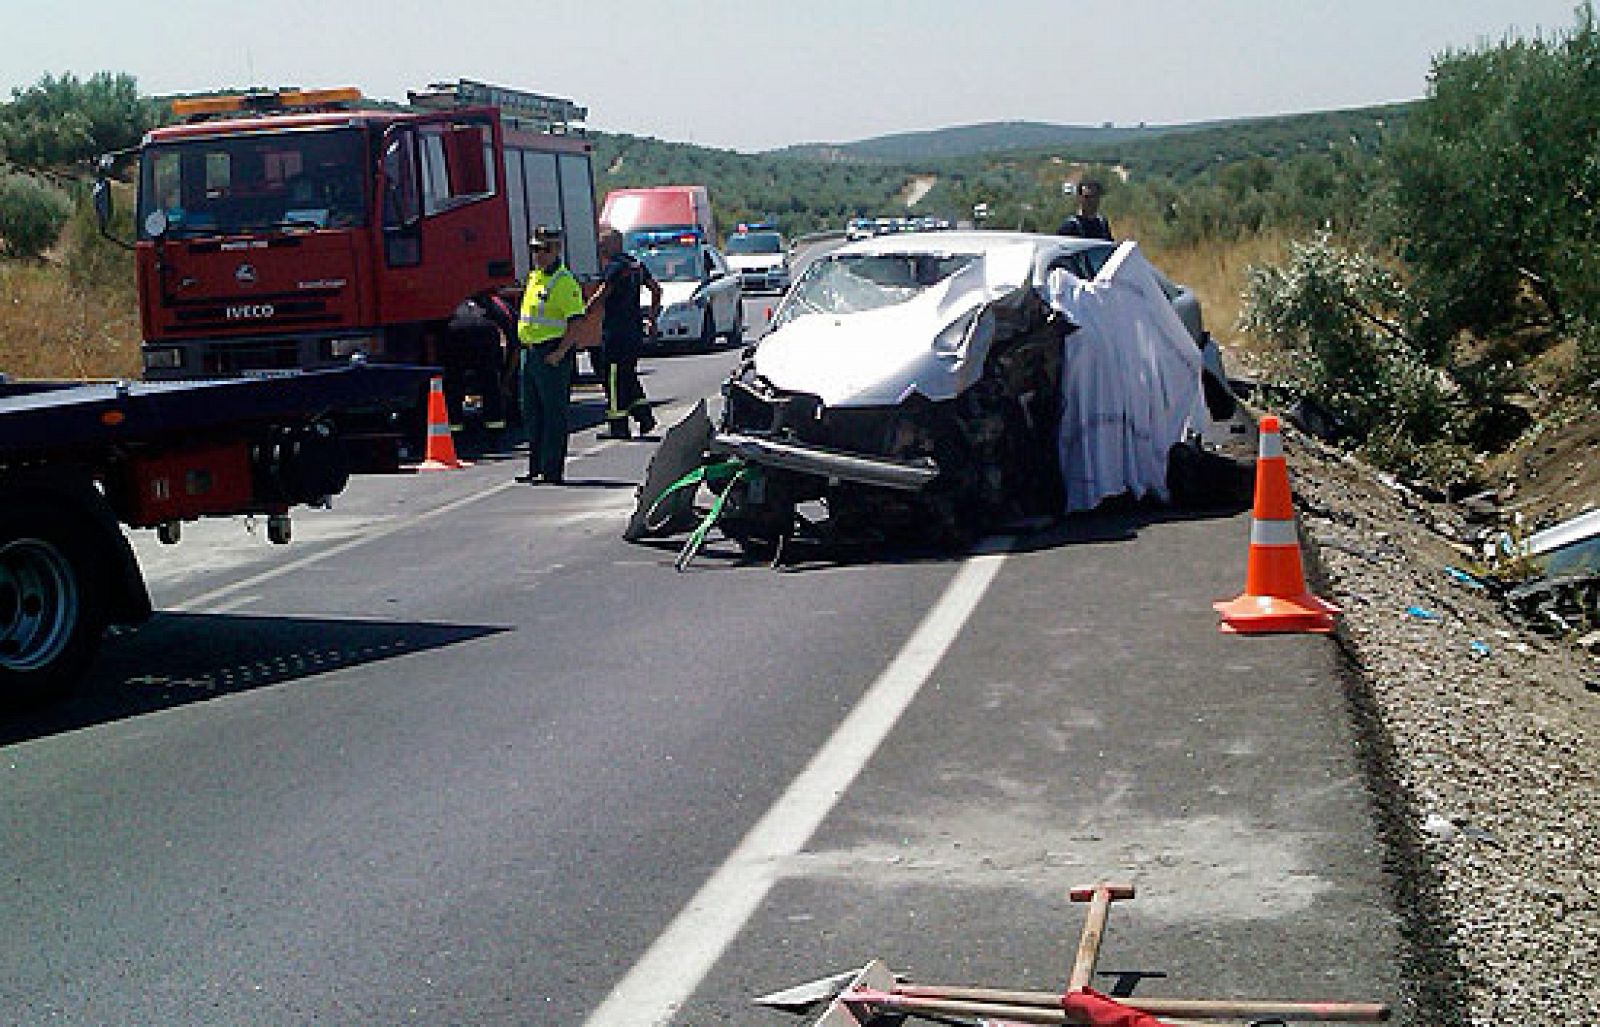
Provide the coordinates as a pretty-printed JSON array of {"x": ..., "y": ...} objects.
[
  {"x": 1273, "y": 533},
  {"x": 1271, "y": 444}
]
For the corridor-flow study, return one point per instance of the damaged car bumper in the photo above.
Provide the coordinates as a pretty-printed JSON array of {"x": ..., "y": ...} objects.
[{"x": 832, "y": 464}]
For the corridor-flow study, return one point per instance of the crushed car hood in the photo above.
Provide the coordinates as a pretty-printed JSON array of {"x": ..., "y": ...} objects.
[{"x": 880, "y": 357}]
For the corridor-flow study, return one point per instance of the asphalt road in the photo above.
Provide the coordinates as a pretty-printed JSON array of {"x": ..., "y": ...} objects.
[{"x": 461, "y": 755}]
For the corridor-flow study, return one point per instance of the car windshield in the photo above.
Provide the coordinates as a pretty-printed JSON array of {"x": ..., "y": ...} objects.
[
  {"x": 674, "y": 262},
  {"x": 848, "y": 284},
  {"x": 749, "y": 243},
  {"x": 256, "y": 182}
]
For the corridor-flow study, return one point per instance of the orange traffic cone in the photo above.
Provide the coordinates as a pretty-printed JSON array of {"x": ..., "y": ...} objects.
[
  {"x": 1275, "y": 598},
  {"x": 440, "y": 454}
]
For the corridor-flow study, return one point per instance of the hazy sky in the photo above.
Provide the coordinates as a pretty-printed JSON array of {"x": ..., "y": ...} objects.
[{"x": 754, "y": 74}]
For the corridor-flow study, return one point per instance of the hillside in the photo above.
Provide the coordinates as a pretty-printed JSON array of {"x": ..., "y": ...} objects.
[
  {"x": 1200, "y": 149},
  {"x": 1159, "y": 146},
  {"x": 1016, "y": 167},
  {"x": 968, "y": 140}
]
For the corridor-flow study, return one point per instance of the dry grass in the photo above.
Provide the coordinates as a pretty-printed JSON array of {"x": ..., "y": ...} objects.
[
  {"x": 51, "y": 329},
  {"x": 55, "y": 324},
  {"x": 1215, "y": 271}
]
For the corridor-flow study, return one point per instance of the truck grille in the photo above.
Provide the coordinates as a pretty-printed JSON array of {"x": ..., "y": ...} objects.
[{"x": 230, "y": 360}]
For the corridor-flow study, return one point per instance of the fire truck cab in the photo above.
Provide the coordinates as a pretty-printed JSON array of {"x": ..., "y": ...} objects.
[{"x": 292, "y": 230}]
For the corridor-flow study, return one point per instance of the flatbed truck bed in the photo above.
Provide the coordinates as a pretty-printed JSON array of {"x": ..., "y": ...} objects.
[{"x": 77, "y": 460}]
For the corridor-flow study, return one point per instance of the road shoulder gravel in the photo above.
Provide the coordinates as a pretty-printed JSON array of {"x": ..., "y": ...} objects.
[{"x": 1482, "y": 735}]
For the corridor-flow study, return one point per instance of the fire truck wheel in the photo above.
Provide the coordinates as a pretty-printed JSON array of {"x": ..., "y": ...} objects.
[{"x": 52, "y": 603}]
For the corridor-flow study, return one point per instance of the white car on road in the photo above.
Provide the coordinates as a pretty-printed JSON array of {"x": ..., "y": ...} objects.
[
  {"x": 760, "y": 258},
  {"x": 937, "y": 381},
  {"x": 700, "y": 295}
]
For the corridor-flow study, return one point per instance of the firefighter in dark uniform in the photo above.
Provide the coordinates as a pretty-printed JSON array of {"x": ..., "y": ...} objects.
[
  {"x": 622, "y": 331},
  {"x": 547, "y": 357}
]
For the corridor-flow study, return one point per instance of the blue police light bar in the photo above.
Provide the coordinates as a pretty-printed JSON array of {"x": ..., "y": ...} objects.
[{"x": 674, "y": 237}]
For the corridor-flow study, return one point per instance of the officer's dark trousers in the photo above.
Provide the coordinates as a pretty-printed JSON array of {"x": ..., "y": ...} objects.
[
  {"x": 546, "y": 392},
  {"x": 624, "y": 392}
]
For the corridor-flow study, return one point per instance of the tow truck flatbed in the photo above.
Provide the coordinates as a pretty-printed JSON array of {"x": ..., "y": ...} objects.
[
  {"x": 60, "y": 418},
  {"x": 77, "y": 460}
]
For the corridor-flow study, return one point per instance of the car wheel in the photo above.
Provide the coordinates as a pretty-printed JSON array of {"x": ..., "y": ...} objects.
[{"x": 52, "y": 605}]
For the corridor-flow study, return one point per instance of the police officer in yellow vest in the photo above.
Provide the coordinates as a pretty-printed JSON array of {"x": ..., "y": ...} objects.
[{"x": 548, "y": 357}]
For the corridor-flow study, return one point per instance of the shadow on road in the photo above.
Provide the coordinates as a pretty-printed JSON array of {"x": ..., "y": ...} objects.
[{"x": 181, "y": 658}]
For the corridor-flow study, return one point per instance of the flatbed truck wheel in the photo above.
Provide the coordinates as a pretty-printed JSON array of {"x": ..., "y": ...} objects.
[{"x": 52, "y": 604}]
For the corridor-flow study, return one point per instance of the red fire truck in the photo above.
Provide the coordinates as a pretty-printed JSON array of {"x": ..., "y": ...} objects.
[{"x": 298, "y": 229}]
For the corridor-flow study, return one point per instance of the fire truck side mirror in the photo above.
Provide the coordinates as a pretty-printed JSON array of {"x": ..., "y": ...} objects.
[{"x": 100, "y": 197}]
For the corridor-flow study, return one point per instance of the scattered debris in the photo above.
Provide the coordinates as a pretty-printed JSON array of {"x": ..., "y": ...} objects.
[
  {"x": 1461, "y": 577},
  {"x": 1509, "y": 741}
]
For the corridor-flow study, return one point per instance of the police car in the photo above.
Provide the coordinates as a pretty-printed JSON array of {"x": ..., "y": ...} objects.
[
  {"x": 757, "y": 253},
  {"x": 700, "y": 294}
]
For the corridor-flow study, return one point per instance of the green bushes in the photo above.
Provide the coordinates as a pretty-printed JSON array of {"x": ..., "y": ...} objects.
[
  {"x": 1486, "y": 210},
  {"x": 32, "y": 213},
  {"x": 1495, "y": 185},
  {"x": 1341, "y": 319},
  {"x": 59, "y": 122}
]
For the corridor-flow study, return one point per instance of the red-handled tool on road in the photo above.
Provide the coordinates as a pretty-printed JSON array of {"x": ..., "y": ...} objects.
[{"x": 873, "y": 996}]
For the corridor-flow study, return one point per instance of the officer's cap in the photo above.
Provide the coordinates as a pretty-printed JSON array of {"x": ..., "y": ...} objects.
[{"x": 544, "y": 234}]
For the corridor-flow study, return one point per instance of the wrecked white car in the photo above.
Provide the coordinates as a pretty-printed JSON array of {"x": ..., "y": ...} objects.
[{"x": 935, "y": 383}]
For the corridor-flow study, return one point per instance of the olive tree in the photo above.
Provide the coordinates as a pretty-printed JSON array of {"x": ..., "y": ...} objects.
[
  {"x": 1494, "y": 186},
  {"x": 63, "y": 121}
]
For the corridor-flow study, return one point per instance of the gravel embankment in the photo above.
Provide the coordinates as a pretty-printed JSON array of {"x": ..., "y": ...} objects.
[{"x": 1483, "y": 737}]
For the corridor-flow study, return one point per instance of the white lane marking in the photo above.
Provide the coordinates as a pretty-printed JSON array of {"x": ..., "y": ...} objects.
[
  {"x": 399, "y": 524},
  {"x": 228, "y": 605},
  {"x": 676, "y": 962},
  {"x": 604, "y": 511}
]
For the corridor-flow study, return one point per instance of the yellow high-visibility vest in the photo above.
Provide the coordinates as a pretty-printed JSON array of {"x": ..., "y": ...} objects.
[{"x": 552, "y": 297}]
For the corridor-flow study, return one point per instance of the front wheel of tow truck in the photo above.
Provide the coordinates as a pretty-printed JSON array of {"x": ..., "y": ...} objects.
[{"x": 52, "y": 606}]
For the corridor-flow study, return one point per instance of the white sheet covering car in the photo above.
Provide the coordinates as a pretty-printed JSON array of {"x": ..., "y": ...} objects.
[
  {"x": 1131, "y": 381},
  {"x": 701, "y": 299},
  {"x": 943, "y": 380}
]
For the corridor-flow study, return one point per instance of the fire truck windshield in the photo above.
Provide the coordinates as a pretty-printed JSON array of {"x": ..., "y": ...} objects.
[{"x": 256, "y": 181}]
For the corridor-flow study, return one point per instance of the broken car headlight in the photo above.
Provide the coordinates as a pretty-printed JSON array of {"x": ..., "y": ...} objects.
[{"x": 976, "y": 325}]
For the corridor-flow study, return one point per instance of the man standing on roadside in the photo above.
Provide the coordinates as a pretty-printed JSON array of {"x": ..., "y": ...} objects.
[
  {"x": 622, "y": 332},
  {"x": 1088, "y": 222},
  {"x": 547, "y": 359}
]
